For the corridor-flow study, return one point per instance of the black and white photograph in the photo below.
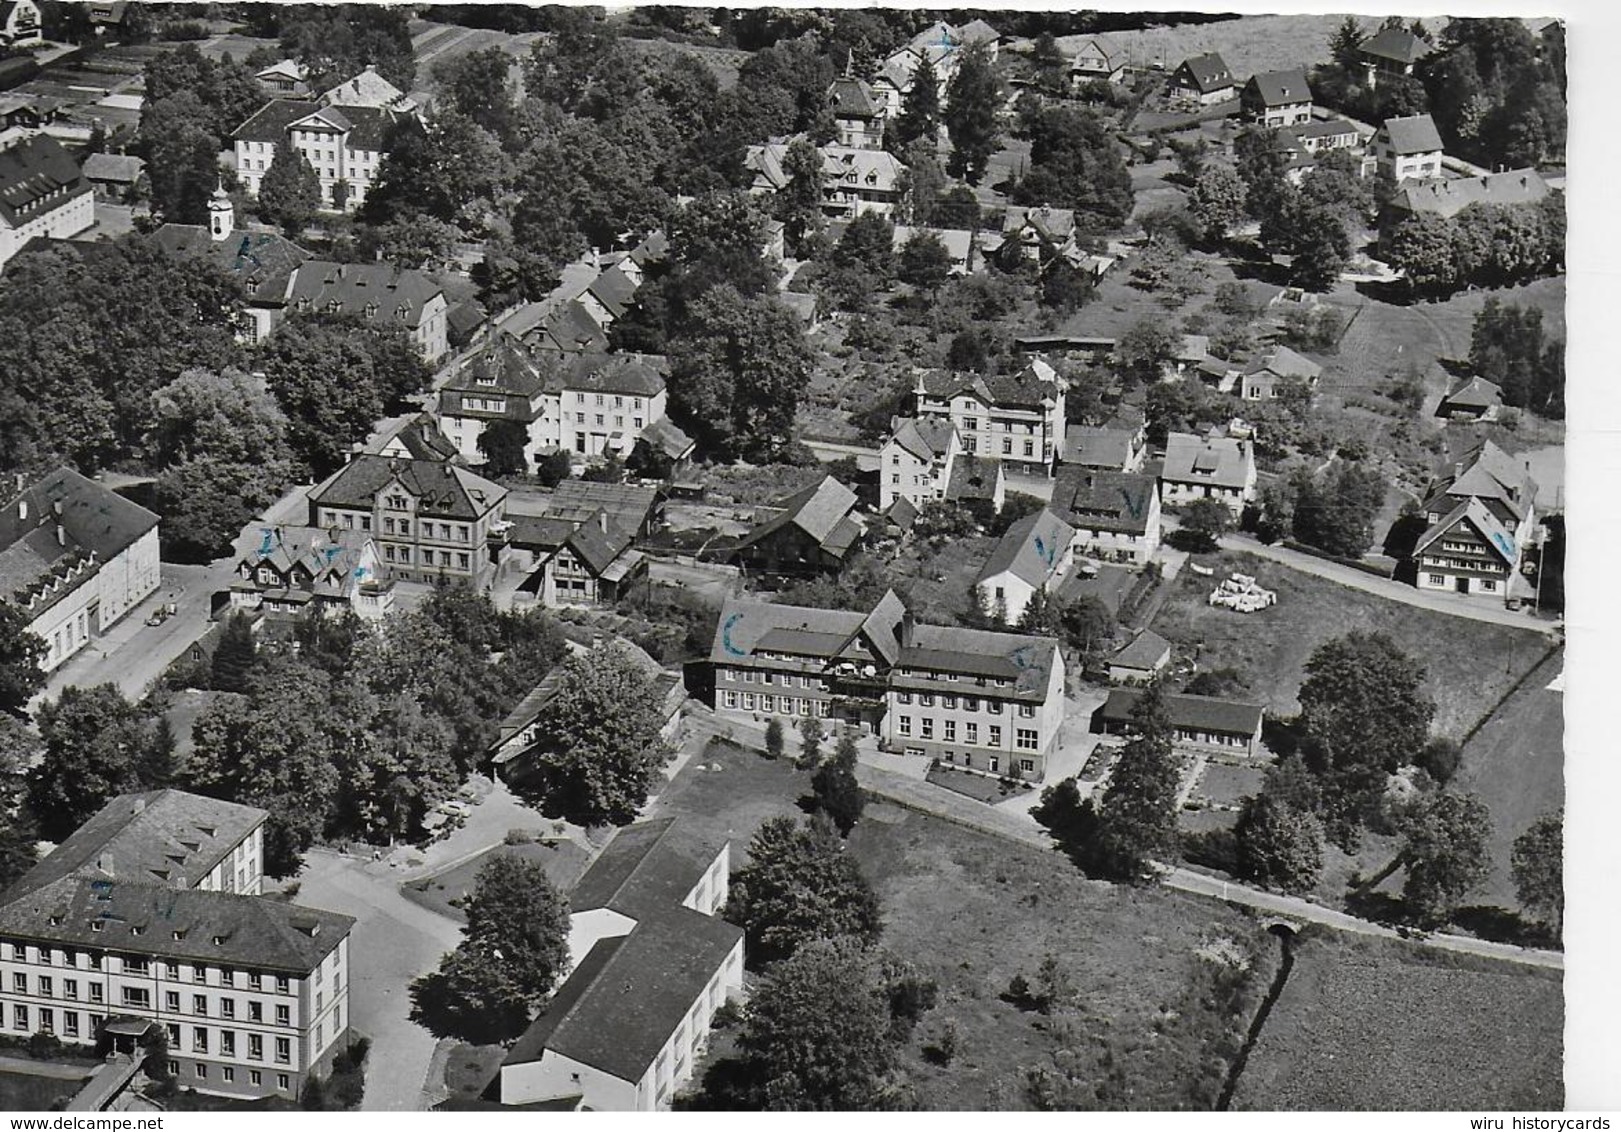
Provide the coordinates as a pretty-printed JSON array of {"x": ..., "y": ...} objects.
[{"x": 668, "y": 558}]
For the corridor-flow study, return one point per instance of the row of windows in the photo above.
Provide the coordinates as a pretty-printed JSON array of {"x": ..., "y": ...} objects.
[
  {"x": 619, "y": 401},
  {"x": 786, "y": 679},
  {"x": 1486, "y": 584},
  {"x": 228, "y": 1075},
  {"x": 228, "y": 1045},
  {"x": 1479, "y": 564},
  {"x": 402, "y": 555},
  {"x": 993, "y": 764},
  {"x": 970, "y": 734},
  {"x": 68, "y": 957},
  {"x": 969, "y": 703},
  {"x": 773, "y": 705},
  {"x": 619, "y": 421}
]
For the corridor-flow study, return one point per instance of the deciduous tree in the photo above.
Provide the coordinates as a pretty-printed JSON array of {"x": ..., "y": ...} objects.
[
  {"x": 799, "y": 885},
  {"x": 1538, "y": 866},
  {"x": 1279, "y": 845},
  {"x": 834, "y": 785},
  {"x": 97, "y": 745},
  {"x": 1447, "y": 852},
  {"x": 21, "y": 653},
  {"x": 289, "y": 192}
]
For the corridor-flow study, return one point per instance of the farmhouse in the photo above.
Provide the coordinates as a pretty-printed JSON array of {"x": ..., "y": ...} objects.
[
  {"x": 1200, "y": 723},
  {"x": 988, "y": 701},
  {"x": 652, "y": 962},
  {"x": 814, "y": 532},
  {"x": 1219, "y": 468},
  {"x": 1279, "y": 366},
  {"x": 1481, "y": 518},
  {"x": 1475, "y": 400}
]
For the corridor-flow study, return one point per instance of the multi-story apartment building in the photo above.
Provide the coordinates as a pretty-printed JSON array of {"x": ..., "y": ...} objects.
[
  {"x": 75, "y": 557},
  {"x": 987, "y": 701},
  {"x": 429, "y": 519},
  {"x": 150, "y": 912},
  {"x": 345, "y": 145},
  {"x": 652, "y": 962},
  {"x": 1481, "y": 517},
  {"x": 1115, "y": 515},
  {"x": 915, "y": 461},
  {"x": 43, "y": 192},
  {"x": 298, "y": 569},
  {"x": 1017, "y": 418},
  {"x": 375, "y": 293}
]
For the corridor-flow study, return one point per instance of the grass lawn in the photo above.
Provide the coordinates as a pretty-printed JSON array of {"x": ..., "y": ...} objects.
[
  {"x": 976, "y": 786},
  {"x": 1249, "y": 44},
  {"x": 563, "y": 861},
  {"x": 728, "y": 791},
  {"x": 1116, "y": 306},
  {"x": 1366, "y": 1024},
  {"x": 24, "y": 1092},
  {"x": 468, "y": 1069},
  {"x": 1470, "y": 664},
  {"x": 973, "y": 911},
  {"x": 1228, "y": 785},
  {"x": 1516, "y": 763}
]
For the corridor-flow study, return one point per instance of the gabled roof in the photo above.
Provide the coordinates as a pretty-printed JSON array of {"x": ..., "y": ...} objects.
[
  {"x": 443, "y": 491},
  {"x": 1106, "y": 47},
  {"x": 368, "y": 128},
  {"x": 975, "y": 478},
  {"x": 1025, "y": 662},
  {"x": 285, "y": 69},
  {"x": 1031, "y": 550},
  {"x": 927, "y": 438},
  {"x": 569, "y": 328},
  {"x": 1284, "y": 362},
  {"x": 32, "y": 174},
  {"x": 615, "y": 290},
  {"x": 1219, "y": 461},
  {"x": 1280, "y": 88},
  {"x": 213, "y": 927},
  {"x": 422, "y": 439},
  {"x": 1414, "y": 134},
  {"x": 747, "y": 625},
  {"x": 1198, "y": 713},
  {"x": 1491, "y": 474},
  {"x": 850, "y": 97},
  {"x": 1448, "y": 198},
  {"x": 1145, "y": 651},
  {"x": 821, "y": 511},
  {"x": 598, "y": 542},
  {"x": 977, "y": 31},
  {"x": 1395, "y": 44},
  {"x": 263, "y": 261},
  {"x": 1208, "y": 72},
  {"x": 1055, "y": 225},
  {"x": 1027, "y": 389},
  {"x": 118, "y": 168},
  {"x": 1473, "y": 511},
  {"x": 271, "y": 121},
  {"x": 499, "y": 366},
  {"x": 162, "y": 837},
  {"x": 369, "y": 90},
  {"x": 665, "y": 437},
  {"x": 636, "y": 375},
  {"x": 57, "y": 531},
  {"x": 1093, "y": 500},
  {"x": 1477, "y": 395},
  {"x": 628, "y": 504},
  {"x": 368, "y": 290},
  {"x": 1105, "y": 448}
]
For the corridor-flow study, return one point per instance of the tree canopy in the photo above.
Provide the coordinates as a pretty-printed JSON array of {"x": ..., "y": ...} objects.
[
  {"x": 97, "y": 745},
  {"x": 799, "y": 885}
]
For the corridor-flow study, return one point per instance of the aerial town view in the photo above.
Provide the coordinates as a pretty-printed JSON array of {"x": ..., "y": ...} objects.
[{"x": 671, "y": 558}]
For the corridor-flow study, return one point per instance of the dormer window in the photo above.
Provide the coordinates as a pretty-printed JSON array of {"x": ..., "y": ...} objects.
[
  {"x": 303, "y": 305},
  {"x": 333, "y": 306},
  {"x": 402, "y": 312},
  {"x": 371, "y": 310}
]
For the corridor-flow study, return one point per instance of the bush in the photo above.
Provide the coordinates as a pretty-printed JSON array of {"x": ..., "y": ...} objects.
[{"x": 43, "y": 1046}]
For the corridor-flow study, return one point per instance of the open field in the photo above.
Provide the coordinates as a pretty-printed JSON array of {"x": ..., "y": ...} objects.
[
  {"x": 1470, "y": 664},
  {"x": 563, "y": 861},
  {"x": 973, "y": 911},
  {"x": 1228, "y": 785},
  {"x": 1248, "y": 44},
  {"x": 1516, "y": 763},
  {"x": 1116, "y": 305},
  {"x": 1365, "y": 1024},
  {"x": 727, "y": 791}
]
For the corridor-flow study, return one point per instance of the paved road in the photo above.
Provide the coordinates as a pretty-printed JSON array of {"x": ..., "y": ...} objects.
[{"x": 393, "y": 942}]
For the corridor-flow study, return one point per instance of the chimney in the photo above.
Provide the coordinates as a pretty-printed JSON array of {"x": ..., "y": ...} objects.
[
  {"x": 139, "y": 805},
  {"x": 908, "y": 629},
  {"x": 22, "y": 504},
  {"x": 602, "y": 521},
  {"x": 105, "y": 863}
]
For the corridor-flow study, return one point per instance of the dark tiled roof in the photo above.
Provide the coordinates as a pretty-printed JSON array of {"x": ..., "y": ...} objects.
[
  {"x": 569, "y": 327},
  {"x": 630, "y": 505},
  {"x": 1108, "y": 448},
  {"x": 646, "y": 869},
  {"x": 1473, "y": 510},
  {"x": 1217, "y": 461},
  {"x": 745, "y": 626},
  {"x": 635, "y": 375},
  {"x": 269, "y": 123},
  {"x": 1025, "y": 661},
  {"x": 1103, "y": 501},
  {"x": 598, "y": 542},
  {"x": 214, "y": 927},
  {"x": 1415, "y": 134},
  {"x": 974, "y": 477},
  {"x": 820, "y": 511},
  {"x": 1279, "y": 88},
  {"x": 1144, "y": 651},
  {"x": 1395, "y": 44},
  {"x": 925, "y": 438},
  {"x": 385, "y": 291},
  {"x": 424, "y": 440},
  {"x": 1208, "y": 71},
  {"x": 666, "y": 437},
  {"x": 1027, "y": 389},
  {"x": 1448, "y": 198},
  {"x": 442, "y": 491},
  {"x": 156, "y": 837},
  {"x": 614, "y": 290},
  {"x": 30, "y": 173},
  {"x": 263, "y": 261},
  {"x": 1198, "y": 713},
  {"x": 850, "y": 97},
  {"x": 94, "y": 522},
  {"x": 501, "y": 366},
  {"x": 538, "y": 532},
  {"x": 1030, "y": 550}
]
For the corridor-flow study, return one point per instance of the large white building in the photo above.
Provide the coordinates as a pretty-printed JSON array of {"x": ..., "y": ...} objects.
[
  {"x": 916, "y": 460},
  {"x": 150, "y": 915},
  {"x": 651, "y": 963},
  {"x": 75, "y": 557},
  {"x": 345, "y": 145},
  {"x": 43, "y": 193},
  {"x": 1017, "y": 418}
]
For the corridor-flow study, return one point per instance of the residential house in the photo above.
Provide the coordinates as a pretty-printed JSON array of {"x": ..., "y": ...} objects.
[
  {"x": 431, "y": 520},
  {"x": 43, "y": 193},
  {"x": 370, "y": 91},
  {"x": 263, "y": 262},
  {"x": 373, "y": 292},
  {"x": 1040, "y": 232},
  {"x": 1475, "y": 400},
  {"x": 568, "y": 328},
  {"x": 113, "y": 175},
  {"x": 150, "y": 911},
  {"x": 1278, "y": 98},
  {"x": 857, "y": 116},
  {"x": 978, "y": 33},
  {"x": 942, "y": 44},
  {"x": 916, "y": 460},
  {"x": 286, "y": 78},
  {"x": 1390, "y": 51},
  {"x": 1198, "y": 723},
  {"x": 612, "y": 293},
  {"x": 665, "y": 451},
  {"x": 1481, "y": 516},
  {"x": 419, "y": 438},
  {"x": 1407, "y": 149},
  {"x": 518, "y": 732},
  {"x": 298, "y": 570},
  {"x": 1205, "y": 79},
  {"x": 1036, "y": 553},
  {"x": 1097, "y": 59},
  {"x": 1018, "y": 418},
  {"x": 106, "y": 13},
  {"x": 856, "y": 181},
  {"x": 987, "y": 701},
  {"x": 595, "y": 564},
  {"x": 75, "y": 558},
  {"x": 1447, "y": 198},
  {"x": 652, "y": 961},
  {"x": 1197, "y": 467},
  {"x": 1141, "y": 659},
  {"x": 1321, "y": 135},
  {"x": 501, "y": 382},
  {"x": 20, "y": 26},
  {"x": 1116, "y": 515},
  {"x": 1105, "y": 449},
  {"x": 1275, "y": 369},
  {"x": 977, "y": 480},
  {"x": 962, "y": 246},
  {"x": 635, "y": 507},
  {"x": 345, "y": 145},
  {"x": 606, "y": 402},
  {"x": 812, "y": 532}
]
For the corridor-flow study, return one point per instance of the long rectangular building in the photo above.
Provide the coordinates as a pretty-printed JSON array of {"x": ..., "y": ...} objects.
[{"x": 984, "y": 700}]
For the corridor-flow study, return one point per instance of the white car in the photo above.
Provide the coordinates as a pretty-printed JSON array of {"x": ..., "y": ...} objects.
[{"x": 455, "y": 808}]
